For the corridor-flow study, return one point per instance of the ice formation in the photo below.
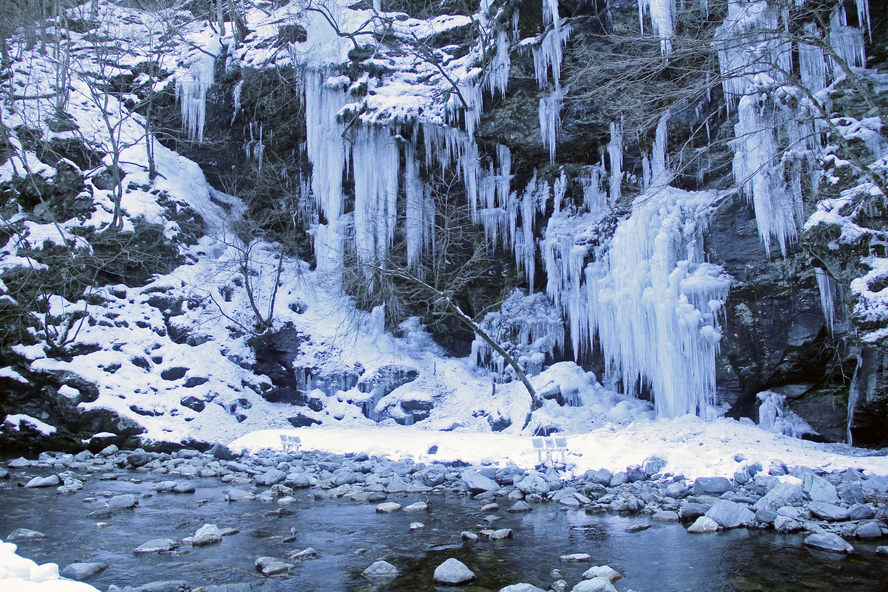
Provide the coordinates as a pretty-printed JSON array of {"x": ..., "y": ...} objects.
[
  {"x": 615, "y": 154},
  {"x": 774, "y": 417},
  {"x": 191, "y": 90},
  {"x": 529, "y": 326},
  {"x": 756, "y": 61},
  {"x": 662, "y": 12},
  {"x": 549, "y": 115},
  {"x": 376, "y": 169},
  {"x": 827, "y": 287}
]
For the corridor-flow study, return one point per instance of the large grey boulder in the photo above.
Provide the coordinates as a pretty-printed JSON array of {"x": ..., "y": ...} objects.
[
  {"x": 49, "y": 481},
  {"x": 123, "y": 502},
  {"x": 730, "y": 514},
  {"x": 828, "y": 541},
  {"x": 453, "y": 572},
  {"x": 268, "y": 566},
  {"x": 24, "y": 534},
  {"x": 784, "y": 494},
  {"x": 819, "y": 489},
  {"x": 208, "y": 534},
  {"x": 156, "y": 546},
  {"x": 270, "y": 477},
  {"x": 703, "y": 524},
  {"x": 533, "y": 483},
  {"x": 601, "y": 476},
  {"x": 712, "y": 486},
  {"x": 476, "y": 482},
  {"x": 521, "y": 588},
  {"x": 830, "y": 512}
]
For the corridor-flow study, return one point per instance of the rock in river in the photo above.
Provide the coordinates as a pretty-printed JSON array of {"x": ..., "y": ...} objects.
[
  {"x": 380, "y": 569},
  {"x": 388, "y": 507},
  {"x": 453, "y": 572},
  {"x": 83, "y": 571},
  {"x": 828, "y": 541},
  {"x": 23, "y": 534},
  {"x": 156, "y": 546}
]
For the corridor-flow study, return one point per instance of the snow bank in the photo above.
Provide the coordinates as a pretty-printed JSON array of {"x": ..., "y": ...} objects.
[{"x": 18, "y": 574}]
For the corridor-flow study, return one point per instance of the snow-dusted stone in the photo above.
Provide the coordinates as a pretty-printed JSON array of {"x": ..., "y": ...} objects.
[
  {"x": 830, "y": 512},
  {"x": 828, "y": 541},
  {"x": 469, "y": 536},
  {"x": 868, "y": 530},
  {"x": 533, "y": 483},
  {"x": 712, "y": 485},
  {"x": 123, "y": 502},
  {"x": 594, "y": 585},
  {"x": 477, "y": 482},
  {"x": 344, "y": 477},
  {"x": 575, "y": 557},
  {"x": 520, "y": 506},
  {"x": 304, "y": 555},
  {"x": 785, "y": 524},
  {"x": 208, "y": 534},
  {"x": 453, "y": 572},
  {"x": 183, "y": 487},
  {"x": 521, "y": 588},
  {"x": 730, "y": 514},
  {"x": 24, "y": 534},
  {"x": 164, "y": 486},
  {"x": 270, "y": 477},
  {"x": 417, "y": 526},
  {"x": 601, "y": 476},
  {"x": 388, "y": 507},
  {"x": 602, "y": 571},
  {"x": 703, "y": 524},
  {"x": 83, "y": 571},
  {"x": 237, "y": 495},
  {"x": 109, "y": 450},
  {"x": 156, "y": 546},
  {"x": 882, "y": 550},
  {"x": 676, "y": 490},
  {"x": 268, "y": 566},
  {"x": 380, "y": 570},
  {"x": 784, "y": 494},
  {"x": 298, "y": 480},
  {"x": 819, "y": 489},
  {"x": 619, "y": 479},
  {"x": 501, "y": 534},
  {"x": 493, "y": 507},
  {"x": 49, "y": 481},
  {"x": 19, "y": 463},
  {"x": 417, "y": 507}
]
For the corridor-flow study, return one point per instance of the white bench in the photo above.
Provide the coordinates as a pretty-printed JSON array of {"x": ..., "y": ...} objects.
[
  {"x": 289, "y": 443},
  {"x": 548, "y": 449}
]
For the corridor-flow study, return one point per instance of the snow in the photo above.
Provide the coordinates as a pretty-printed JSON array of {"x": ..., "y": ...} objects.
[
  {"x": 42, "y": 427},
  {"x": 692, "y": 446},
  {"x": 18, "y": 574}
]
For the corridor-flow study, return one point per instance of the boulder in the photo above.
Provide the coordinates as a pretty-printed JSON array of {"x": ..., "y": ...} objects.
[
  {"x": 594, "y": 585},
  {"x": 138, "y": 458},
  {"x": 453, "y": 572},
  {"x": 123, "y": 502},
  {"x": 602, "y": 571},
  {"x": 665, "y": 516},
  {"x": 49, "y": 481},
  {"x": 828, "y": 541},
  {"x": 868, "y": 530},
  {"x": 712, "y": 486},
  {"x": 521, "y": 588},
  {"x": 533, "y": 483},
  {"x": 730, "y": 514},
  {"x": 388, "y": 507},
  {"x": 270, "y": 477},
  {"x": 23, "y": 534},
  {"x": 819, "y": 489},
  {"x": 703, "y": 524},
  {"x": 380, "y": 570},
  {"x": 783, "y": 494},
  {"x": 693, "y": 511},
  {"x": 575, "y": 557},
  {"x": 601, "y": 476},
  {"x": 208, "y": 534},
  {"x": 268, "y": 566},
  {"x": 156, "y": 546},
  {"x": 830, "y": 512},
  {"x": 520, "y": 506},
  {"x": 476, "y": 482},
  {"x": 83, "y": 571}
]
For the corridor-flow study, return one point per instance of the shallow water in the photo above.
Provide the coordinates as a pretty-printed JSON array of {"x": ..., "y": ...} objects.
[{"x": 349, "y": 536}]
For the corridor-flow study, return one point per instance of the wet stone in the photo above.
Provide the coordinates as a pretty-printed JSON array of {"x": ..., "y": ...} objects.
[
  {"x": 24, "y": 534},
  {"x": 83, "y": 571},
  {"x": 453, "y": 572},
  {"x": 380, "y": 570},
  {"x": 156, "y": 546}
]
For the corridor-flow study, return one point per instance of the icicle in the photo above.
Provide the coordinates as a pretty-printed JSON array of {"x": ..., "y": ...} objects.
[
  {"x": 376, "y": 166},
  {"x": 550, "y": 117},
  {"x": 191, "y": 92},
  {"x": 548, "y": 55},
  {"x": 560, "y": 189},
  {"x": 594, "y": 199},
  {"x": 662, "y": 15},
  {"x": 660, "y": 175},
  {"x": 236, "y": 99},
  {"x": 645, "y": 171},
  {"x": 853, "y": 395},
  {"x": 615, "y": 153},
  {"x": 415, "y": 224},
  {"x": 827, "y": 286},
  {"x": 812, "y": 65},
  {"x": 498, "y": 69},
  {"x": 846, "y": 41}
]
